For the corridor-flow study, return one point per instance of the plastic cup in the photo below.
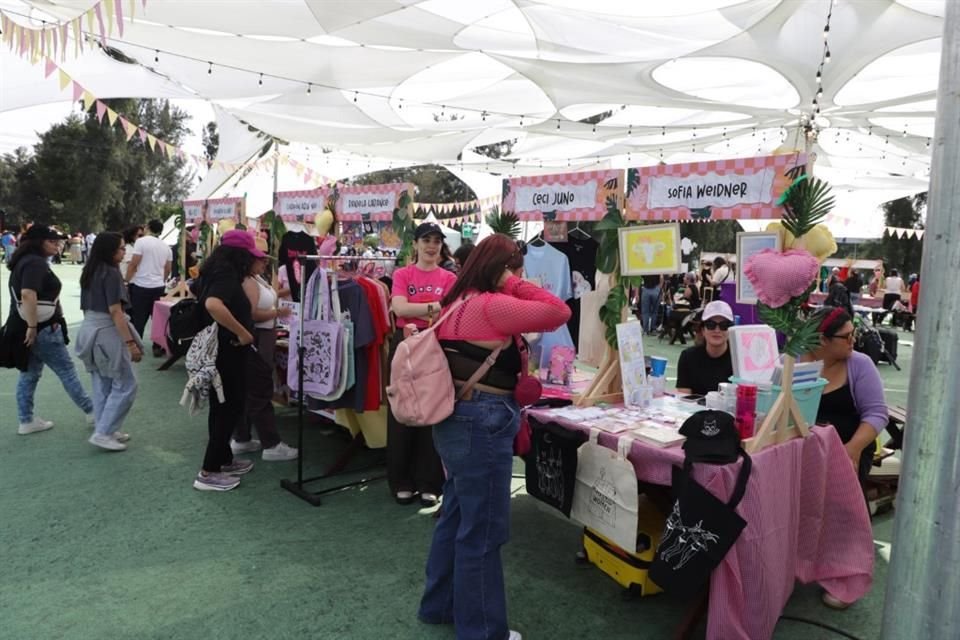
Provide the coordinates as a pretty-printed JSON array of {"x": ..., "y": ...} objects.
[
  {"x": 736, "y": 320},
  {"x": 658, "y": 366}
]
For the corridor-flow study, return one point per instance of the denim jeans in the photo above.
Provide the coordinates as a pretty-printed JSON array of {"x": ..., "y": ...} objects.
[
  {"x": 112, "y": 399},
  {"x": 464, "y": 570},
  {"x": 649, "y": 301},
  {"x": 49, "y": 349}
]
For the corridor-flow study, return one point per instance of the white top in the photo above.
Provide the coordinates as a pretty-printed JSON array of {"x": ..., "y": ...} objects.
[
  {"x": 268, "y": 300},
  {"x": 284, "y": 281},
  {"x": 154, "y": 255},
  {"x": 894, "y": 284},
  {"x": 720, "y": 275}
]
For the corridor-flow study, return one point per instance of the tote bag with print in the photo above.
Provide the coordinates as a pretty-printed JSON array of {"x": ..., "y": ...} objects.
[{"x": 322, "y": 340}]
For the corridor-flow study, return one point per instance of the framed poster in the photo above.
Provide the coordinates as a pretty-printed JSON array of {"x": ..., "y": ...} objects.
[
  {"x": 739, "y": 188},
  {"x": 633, "y": 367},
  {"x": 749, "y": 244},
  {"x": 650, "y": 250}
]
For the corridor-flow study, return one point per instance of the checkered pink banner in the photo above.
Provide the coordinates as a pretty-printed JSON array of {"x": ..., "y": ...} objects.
[
  {"x": 608, "y": 182},
  {"x": 300, "y": 206},
  {"x": 637, "y": 202},
  {"x": 193, "y": 210},
  {"x": 224, "y": 209},
  {"x": 371, "y": 201}
]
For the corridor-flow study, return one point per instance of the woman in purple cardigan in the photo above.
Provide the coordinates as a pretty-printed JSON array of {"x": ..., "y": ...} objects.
[{"x": 853, "y": 400}]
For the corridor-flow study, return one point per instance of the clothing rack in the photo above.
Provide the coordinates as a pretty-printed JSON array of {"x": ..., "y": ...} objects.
[{"x": 338, "y": 467}]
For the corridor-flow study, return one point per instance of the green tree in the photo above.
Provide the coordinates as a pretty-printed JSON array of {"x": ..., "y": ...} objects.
[
  {"x": 211, "y": 142},
  {"x": 903, "y": 254}
]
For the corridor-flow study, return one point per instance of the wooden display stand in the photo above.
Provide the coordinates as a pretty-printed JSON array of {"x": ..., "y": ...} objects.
[
  {"x": 607, "y": 386},
  {"x": 776, "y": 427}
]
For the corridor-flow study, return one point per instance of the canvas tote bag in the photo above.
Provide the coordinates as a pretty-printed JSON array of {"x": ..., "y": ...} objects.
[
  {"x": 322, "y": 341},
  {"x": 605, "y": 496}
]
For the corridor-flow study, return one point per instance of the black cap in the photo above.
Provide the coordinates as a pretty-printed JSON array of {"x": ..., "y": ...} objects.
[
  {"x": 711, "y": 437},
  {"x": 43, "y": 232},
  {"x": 426, "y": 229}
]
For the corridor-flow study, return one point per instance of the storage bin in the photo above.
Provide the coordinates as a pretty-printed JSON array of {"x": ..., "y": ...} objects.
[{"x": 807, "y": 395}]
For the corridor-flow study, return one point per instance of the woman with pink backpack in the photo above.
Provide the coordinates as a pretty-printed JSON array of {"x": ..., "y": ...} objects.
[{"x": 464, "y": 571}]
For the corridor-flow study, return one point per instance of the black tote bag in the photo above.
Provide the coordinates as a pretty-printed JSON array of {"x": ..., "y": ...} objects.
[
  {"x": 551, "y": 465},
  {"x": 700, "y": 530}
]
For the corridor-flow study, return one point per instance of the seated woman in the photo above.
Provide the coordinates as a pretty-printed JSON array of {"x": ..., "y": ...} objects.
[
  {"x": 853, "y": 400},
  {"x": 684, "y": 303},
  {"x": 702, "y": 368}
]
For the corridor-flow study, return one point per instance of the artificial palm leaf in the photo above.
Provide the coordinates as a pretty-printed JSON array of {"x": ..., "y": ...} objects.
[
  {"x": 633, "y": 180},
  {"x": 610, "y": 313},
  {"x": 805, "y": 338},
  {"x": 806, "y": 203},
  {"x": 506, "y": 223}
]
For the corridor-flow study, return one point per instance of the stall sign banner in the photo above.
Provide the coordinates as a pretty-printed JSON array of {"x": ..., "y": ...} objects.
[
  {"x": 720, "y": 190},
  {"x": 193, "y": 210},
  {"x": 371, "y": 201},
  {"x": 224, "y": 209},
  {"x": 300, "y": 206},
  {"x": 574, "y": 196}
]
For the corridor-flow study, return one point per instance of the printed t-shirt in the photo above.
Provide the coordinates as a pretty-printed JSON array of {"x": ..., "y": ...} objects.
[
  {"x": 380, "y": 329},
  {"x": 700, "y": 373},
  {"x": 582, "y": 256},
  {"x": 419, "y": 286},
  {"x": 549, "y": 268},
  {"x": 154, "y": 255},
  {"x": 106, "y": 288}
]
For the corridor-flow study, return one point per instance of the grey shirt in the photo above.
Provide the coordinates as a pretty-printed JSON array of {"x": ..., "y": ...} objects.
[{"x": 106, "y": 288}]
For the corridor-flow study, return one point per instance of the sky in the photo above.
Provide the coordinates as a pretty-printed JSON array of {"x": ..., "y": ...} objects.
[{"x": 20, "y": 127}]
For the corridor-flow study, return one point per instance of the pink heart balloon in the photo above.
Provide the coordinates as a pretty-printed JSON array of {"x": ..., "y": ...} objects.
[{"x": 777, "y": 277}]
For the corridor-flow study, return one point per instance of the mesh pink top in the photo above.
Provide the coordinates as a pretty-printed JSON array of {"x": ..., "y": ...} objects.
[{"x": 519, "y": 307}]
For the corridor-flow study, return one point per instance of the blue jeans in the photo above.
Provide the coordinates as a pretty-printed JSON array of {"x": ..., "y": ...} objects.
[
  {"x": 464, "y": 570},
  {"x": 112, "y": 399},
  {"x": 649, "y": 301},
  {"x": 49, "y": 349}
]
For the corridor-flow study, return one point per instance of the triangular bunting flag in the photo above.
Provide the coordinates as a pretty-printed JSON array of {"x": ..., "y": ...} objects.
[
  {"x": 64, "y": 80},
  {"x": 77, "y": 90},
  {"x": 49, "y": 67},
  {"x": 143, "y": 135},
  {"x": 89, "y": 15},
  {"x": 88, "y": 100},
  {"x": 128, "y": 127},
  {"x": 99, "y": 13},
  {"x": 111, "y": 116},
  {"x": 151, "y": 140},
  {"x": 108, "y": 9},
  {"x": 101, "y": 110},
  {"x": 77, "y": 38},
  {"x": 119, "y": 12}
]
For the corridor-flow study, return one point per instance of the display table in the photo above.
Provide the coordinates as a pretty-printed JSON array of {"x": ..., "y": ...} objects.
[
  {"x": 158, "y": 323},
  {"x": 865, "y": 301},
  {"x": 806, "y": 520}
]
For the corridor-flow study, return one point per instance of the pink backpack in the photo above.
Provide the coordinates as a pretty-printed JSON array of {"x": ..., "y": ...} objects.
[{"x": 421, "y": 391}]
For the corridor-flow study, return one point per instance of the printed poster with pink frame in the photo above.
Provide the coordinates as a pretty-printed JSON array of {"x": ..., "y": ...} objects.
[
  {"x": 300, "y": 206},
  {"x": 741, "y": 188},
  {"x": 754, "y": 351},
  {"x": 581, "y": 195},
  {"x": 224, "y": 209},
  {"x": 373, "y": 202}
]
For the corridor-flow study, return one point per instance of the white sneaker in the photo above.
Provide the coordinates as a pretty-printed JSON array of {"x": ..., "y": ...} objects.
[
  {"x": 244, "y": 447},
  {"x": 120, "y": 436},
  {"x": 279, "y": 453},
  {"x": 106, "y": 442},
  {"x": 34, "y": 426},
  {"x": 40, "y": 420},
  {"x": 514, "y": 635}
]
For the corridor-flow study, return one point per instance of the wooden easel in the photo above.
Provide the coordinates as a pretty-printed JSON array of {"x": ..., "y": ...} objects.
[
  {"x": 607, "y": 386},
  {"x": 784, "y": 421}
]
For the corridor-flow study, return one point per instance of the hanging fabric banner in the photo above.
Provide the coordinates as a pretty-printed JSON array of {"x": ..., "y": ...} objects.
[
  {"x": 300, "y": 206},
  {"x": 359, "y": 203},
  {"x": 582, "y": 195},
  {"x": 224, "y": 208},
  {"x": 720, "y": 190}
]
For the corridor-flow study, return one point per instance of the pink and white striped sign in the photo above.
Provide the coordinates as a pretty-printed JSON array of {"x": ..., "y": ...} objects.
[
  {"x": 193, "y": 210},
  {"x": 300, "y": 206},
  {"x": 741, "y": 188},
  {"x": 224, "y": 209},
  {"x": 371, "y": 201},
  {"x": 574, "y": 196}
]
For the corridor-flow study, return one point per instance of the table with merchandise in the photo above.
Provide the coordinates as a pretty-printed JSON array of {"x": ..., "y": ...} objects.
[{"x": 806, "y": 516}]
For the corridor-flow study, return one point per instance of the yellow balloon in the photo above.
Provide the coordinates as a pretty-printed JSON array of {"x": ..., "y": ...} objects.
[
  {"x": 324, "y": 222},
  {"x": 225, "y": 225}
]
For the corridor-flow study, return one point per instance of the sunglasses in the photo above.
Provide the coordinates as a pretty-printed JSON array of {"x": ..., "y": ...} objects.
[
  {"x": 846, "y": 336},
  {"x": 713, "y": 324}
]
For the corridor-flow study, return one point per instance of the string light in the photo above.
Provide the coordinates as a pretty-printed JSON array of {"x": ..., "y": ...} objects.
[
  {"x": 826, "y": 57},
  {"x": 156, "y": 55},
  {"x": 210, "y": 68},
  {"x": 260, "y": 81},
  {"x": 558, "y": 124}
]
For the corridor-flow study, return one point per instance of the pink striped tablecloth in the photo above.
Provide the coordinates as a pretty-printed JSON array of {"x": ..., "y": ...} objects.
[
  {"x": 806, "y": 520},
  {"x": 865, "y": 301},
  {"x": 158, "y": 323}
]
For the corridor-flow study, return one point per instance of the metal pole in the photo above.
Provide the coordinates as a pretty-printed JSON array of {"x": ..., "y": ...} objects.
[{"x": 923, "y": 584}]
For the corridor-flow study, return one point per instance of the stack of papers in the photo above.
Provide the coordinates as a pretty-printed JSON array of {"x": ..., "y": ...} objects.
[
  {"x": 802, "y": 372},
  {"x": 658, "y": 435}
]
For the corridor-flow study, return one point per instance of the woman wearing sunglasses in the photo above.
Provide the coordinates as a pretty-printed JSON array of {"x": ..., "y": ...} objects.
[{"x": 702, "y": 368}]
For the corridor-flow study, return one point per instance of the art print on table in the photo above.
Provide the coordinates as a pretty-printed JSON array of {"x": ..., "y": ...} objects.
[
  {"x": 754, "y": 350},
  {"x": 749, "y": 245},
  {"x": 633, "y": 368},
  {"x": 649, "y": 250}
]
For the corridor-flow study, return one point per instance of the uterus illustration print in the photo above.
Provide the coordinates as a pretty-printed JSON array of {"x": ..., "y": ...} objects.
[{"x": 647, "y": 249}]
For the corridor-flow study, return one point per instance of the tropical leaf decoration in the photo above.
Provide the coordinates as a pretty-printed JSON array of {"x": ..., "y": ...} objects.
[
  {"x": 633, "y": 181},
  {"x": 506, "y": 223},
  {"x": 610, "y": 313},
  {"x": 611, "y": 184},
  {"x": 806, "y": 203},
  {"x": 702, "y": 213},
  {"x": 608, "y": 253},
  {"x": 180, "y": 220},
  {"x": 403, "y": 225}
]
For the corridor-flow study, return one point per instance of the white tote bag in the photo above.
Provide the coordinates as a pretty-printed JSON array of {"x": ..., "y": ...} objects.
[{"x": 605, "y": 497}]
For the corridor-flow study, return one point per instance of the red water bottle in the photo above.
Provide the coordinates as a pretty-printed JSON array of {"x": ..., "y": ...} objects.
[{"x": 746, "y": 414}]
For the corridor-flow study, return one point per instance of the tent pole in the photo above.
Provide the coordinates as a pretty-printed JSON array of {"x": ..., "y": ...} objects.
[{"x": 923, "y": 585}]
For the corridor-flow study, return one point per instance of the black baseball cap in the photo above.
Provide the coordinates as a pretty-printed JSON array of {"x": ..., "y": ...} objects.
[
  {"x": 426, "y": 229},
  {"x": 43, "y": 232},
  {"x": 711, "y": 437}
]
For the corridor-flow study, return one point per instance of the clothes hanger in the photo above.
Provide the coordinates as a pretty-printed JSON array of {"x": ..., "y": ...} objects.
[
  {"x": 537, "y": 240},
  {"x": 584, "y": 234}
]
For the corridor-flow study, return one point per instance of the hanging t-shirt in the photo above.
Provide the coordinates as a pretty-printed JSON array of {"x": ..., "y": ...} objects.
[
  {"x": 381, "y": 327},
  {"x": 420, "y": 286},
  {"x": 550, "y": 269},
  {"x": 293, "y": 245},
  {"x": 581, "y": 252}
]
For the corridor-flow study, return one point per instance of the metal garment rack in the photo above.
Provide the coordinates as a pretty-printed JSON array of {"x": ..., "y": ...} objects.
[{"x": 296, "y": 487}]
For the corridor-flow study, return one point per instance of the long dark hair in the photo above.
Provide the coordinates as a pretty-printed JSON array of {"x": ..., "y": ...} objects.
[
  {"x": 485, "y": 266},
  {"x": 130, "y": 234},
  {"x": 101, "y": 254},
  {"x": 231, "y": 259},
  {"x": 26, "y": 247}
]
